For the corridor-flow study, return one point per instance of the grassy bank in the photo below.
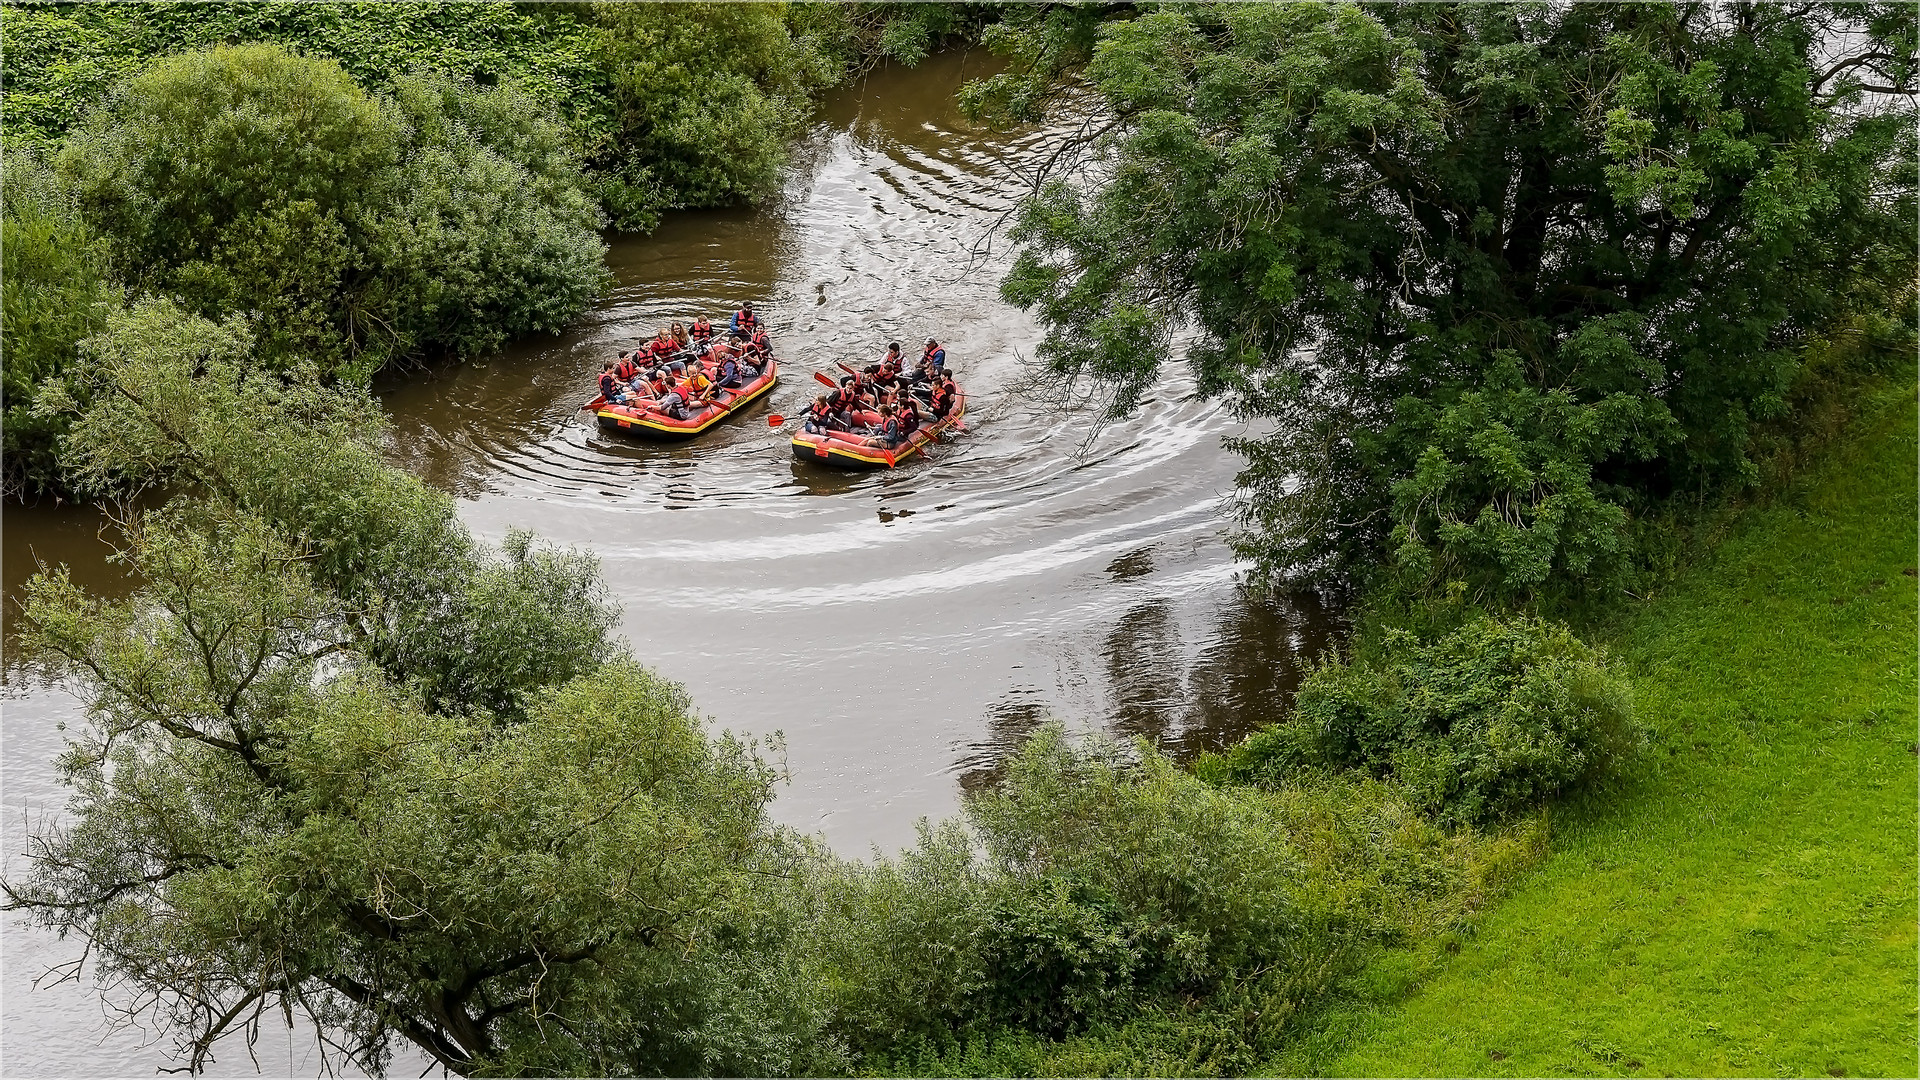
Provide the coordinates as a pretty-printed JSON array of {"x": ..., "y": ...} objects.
[{"x": 1746, "y": 906}]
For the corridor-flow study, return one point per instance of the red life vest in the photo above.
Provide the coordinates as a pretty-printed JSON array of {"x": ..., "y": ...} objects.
[
  {"x": 889, "y": 367},
  {"x": 607, "y": 383},
  {"x": 841, "y": 401},
  {"x": 942, "y": 400},
  {"x": 760, "y": 341},
  {"x": 745, "y": 319},
  {"x": 658, "y": 348},
  {"x": 820, "y": 410},
  {"x": 909, "y": 420},
  {"x": 701, "y": 329},
  {"x": 627, "y": 369}
]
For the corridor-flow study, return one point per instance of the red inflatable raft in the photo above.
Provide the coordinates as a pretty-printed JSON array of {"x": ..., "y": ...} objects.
[
  {"x": 850, "y": 450},
  {"x": 643, "y": 420}
]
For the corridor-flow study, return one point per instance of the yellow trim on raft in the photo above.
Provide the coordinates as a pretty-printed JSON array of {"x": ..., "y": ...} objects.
[
  {"x": 836, "y": 449},
  {"x": 622, "y": 420}
]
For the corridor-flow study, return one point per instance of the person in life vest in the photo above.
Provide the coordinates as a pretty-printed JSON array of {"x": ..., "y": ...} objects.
[
  {"x": 681, "y": 339},
  {"x": 908, "y": 410},
  {"x": 666, "y": 397},
  {"x": 935, "y": 356},
  {"x": 662, "y": 347},
  {"x": 889, "y": 366},
  {"x": 864, "y": 394},
  {"x": 751, "y": 363},
  {"x": 729, "y": 374},
  {"x": 610, "y": 386},
  {"x": 626, "y": 370},
  {"x": 842, "y": 403},
  {"x": 744, "y": 320},
  {"x": 758, "y": 344},
  {"x": 821, "y": 417},
  {"x": 699, "y": 388},
  {"x": 942, "y": 398},
  {"x": 701, "y": 331},
  {"x": 889, "y": 430}
]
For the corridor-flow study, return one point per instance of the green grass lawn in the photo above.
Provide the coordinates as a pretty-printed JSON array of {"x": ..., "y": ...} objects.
[{"x": 1746, "y": 906}]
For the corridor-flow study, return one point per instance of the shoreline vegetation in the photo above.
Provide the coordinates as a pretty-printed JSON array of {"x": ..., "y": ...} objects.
[{"x": 1589, "y": 335}]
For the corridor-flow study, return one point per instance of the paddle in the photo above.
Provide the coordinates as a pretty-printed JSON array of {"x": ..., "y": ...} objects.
[
  {"x": 775, "y": 419},
  {"x": 825, "y": 379}
]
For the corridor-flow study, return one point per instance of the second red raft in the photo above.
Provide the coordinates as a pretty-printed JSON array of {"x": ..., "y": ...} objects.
[{"x": 848, "y": 450}]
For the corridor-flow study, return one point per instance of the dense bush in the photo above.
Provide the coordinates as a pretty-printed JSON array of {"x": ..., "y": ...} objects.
[
  {"x": 1102, "y": 888},
  {"x": 671, "y": 104},
  {"x": 55, "y": 291},
  {"x": 706, "y": 98},
  {"x": 61, "y": 59},
  {"x": 1487, "y": 721},
  {"x": 349, "y": 230}
]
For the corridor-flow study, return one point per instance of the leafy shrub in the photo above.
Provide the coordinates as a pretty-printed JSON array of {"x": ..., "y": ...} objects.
[
  {"x": 60, "y": 59},
  {"x": 489, "y": 230},
  {"x": 246, "y": 180},
  {"x": 1485, "y": 722},
  {"x": 55, "y": 292},
  {"x": 1108, "y": 911},
  {"x": 706, "y": 97}
]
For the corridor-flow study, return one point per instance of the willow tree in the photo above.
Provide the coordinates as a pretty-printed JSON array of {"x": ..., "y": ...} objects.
[
  {"x": 1500, "y": 276},
  {"x": 339, "y": 758}
]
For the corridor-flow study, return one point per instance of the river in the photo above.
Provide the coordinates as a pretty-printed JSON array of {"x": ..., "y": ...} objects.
[{"x": 904, "y": 631}]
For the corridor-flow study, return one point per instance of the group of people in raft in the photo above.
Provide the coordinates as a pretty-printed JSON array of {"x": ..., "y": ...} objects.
[
  {"x": 683, "y": 367},
  {"x": 902, "y": 399}
]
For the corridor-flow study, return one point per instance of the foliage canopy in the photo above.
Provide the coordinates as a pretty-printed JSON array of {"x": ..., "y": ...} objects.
[{"x": 1502, "y": 275}]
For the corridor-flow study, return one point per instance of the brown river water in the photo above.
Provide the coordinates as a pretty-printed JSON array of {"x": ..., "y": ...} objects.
[{"x": 903, "y": 630}]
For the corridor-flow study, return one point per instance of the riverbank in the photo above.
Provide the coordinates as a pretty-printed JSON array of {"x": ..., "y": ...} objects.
[{"x": 1747, "y": 905}]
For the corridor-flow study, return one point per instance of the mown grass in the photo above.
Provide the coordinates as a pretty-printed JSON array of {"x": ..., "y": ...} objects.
[{"x": 1746, "y": 904}]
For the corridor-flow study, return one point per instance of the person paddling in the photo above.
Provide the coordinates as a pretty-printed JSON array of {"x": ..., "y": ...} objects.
[
  {"x": 821, "y": 417},
  {"x": 935, "y": 356},
  {"x": 942, "y": 397},
  {"x": 745, "y": 320},
  {"x": 610, "y": 385}
]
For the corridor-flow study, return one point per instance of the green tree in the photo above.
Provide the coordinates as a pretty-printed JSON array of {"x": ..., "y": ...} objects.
[
  {"x": 1499, "y": 276},
  {"x": 341, "y": 759},
  {"x": 175, "y": 401},
  {"x": 349, "y": 230},
  {"x": 60, "y": 59},
  {"x": 55, "y": 291},
  {"x": 706, "y": 98},
  {"x": 486, "y": 228}
]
